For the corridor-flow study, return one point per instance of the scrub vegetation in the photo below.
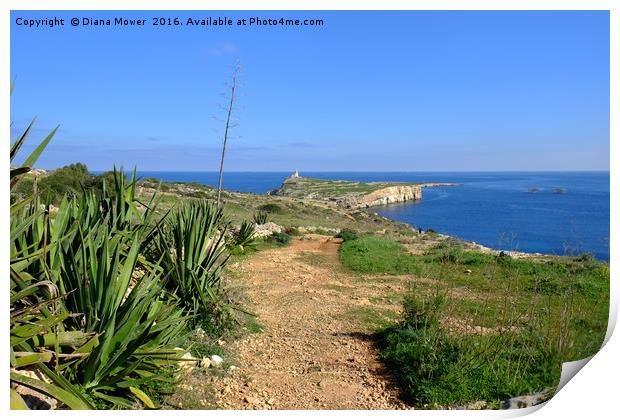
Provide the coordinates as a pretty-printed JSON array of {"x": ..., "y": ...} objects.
[{"x": 484, "y": 326}]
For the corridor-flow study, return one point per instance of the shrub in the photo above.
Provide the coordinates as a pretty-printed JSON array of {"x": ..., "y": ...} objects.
[
  {"x": 586, "y": 257},
  {"x": 22, "y": 190},
  {"x": 422, "y": 313},
  {"x": 545, "y": 285},
  {"x": 279, "y": 238},
  {"x": 503, "y": 258},
  {"x": 271, "y": 208},
  {"x": 193, "y": 194},
  {"x": 36, "y": 314},
  {"x": 292, "y": 231},
  {"x": 101, "y": 292},
  {"x": 459, "y": 256},
  {"x": 68, "y": 180},
  {"x": 347, "y": 235}
]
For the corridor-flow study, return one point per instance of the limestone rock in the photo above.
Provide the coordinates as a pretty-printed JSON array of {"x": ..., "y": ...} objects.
[
  {"x": 267, "y": 229},
  {"x": 389, "y": 195},
  {"x": 216, "y": 360},
  {"x": 187, "y": 362},
  {"x": 527, "y": 400},
  {"x": 251, "y": 400}
]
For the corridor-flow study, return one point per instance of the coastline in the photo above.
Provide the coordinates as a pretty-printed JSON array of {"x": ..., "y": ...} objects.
[
  {"x": 314, "y": 219},
  {"x": 402, "y": 211}
]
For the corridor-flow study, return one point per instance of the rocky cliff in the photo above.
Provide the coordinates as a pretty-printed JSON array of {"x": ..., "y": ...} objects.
[
  {"x": 383, "y": 196},
  {"x": 352, "y": 194}
]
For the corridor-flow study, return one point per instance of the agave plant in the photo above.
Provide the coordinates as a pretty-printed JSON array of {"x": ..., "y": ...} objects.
[
  {"x": 93, "y": 257},
  {"x": 244, "y": 237},
  {"x": 37, "y": 335},
  {"x": 121, "y": 301},
  {"x": 191, "y": 249},
  {"x": 101, "y": 290},
  {"x": 88, "y": 312},
  {"x": 261, "y": 217}
]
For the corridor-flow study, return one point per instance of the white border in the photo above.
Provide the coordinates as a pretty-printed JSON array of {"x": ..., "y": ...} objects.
[{"x": 592, "y": 394}]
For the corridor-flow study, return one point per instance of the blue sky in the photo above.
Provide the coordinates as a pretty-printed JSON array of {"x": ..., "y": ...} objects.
[{"x": 368, "y": 91}]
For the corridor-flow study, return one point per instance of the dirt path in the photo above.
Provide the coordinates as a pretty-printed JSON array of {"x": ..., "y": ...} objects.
[{"x": 312, "y": 354}]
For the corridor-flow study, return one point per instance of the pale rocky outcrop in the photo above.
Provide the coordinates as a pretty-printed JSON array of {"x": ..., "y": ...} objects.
[
  {"x": 267, "y": 229},
  {"x": 314, "y": 229},
  {"x": 389, "y": 195},
  {"x": 260, "y": 231},
  {"x": 187, "y": 362}
]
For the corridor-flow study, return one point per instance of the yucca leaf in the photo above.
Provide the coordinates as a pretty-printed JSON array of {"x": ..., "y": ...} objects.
[
  {"x": 17, "y": 402},
  {"x": 21, "y": 333},
  {"x": 32, "y": 289},
  {"x": 33, "y": 358},
  {"x": 102, "y": 354},
  {"x": 19, "y": 171},
  {"x": 53, "y": 391},
  {"x": 21, "y": 204},
  {"x": 73, "y": 339},
  {"x": 30, "y": 160},
  {"x": 118, "y": 401},
  {"x": 89, "y": 345},
  {"x": 12, "y": 356},
  {"x": 20, "y": 141},
  {"x": 142, "y": 397}
]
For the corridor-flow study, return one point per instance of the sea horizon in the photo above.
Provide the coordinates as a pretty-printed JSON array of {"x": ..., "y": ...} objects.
[
  {"x": 100, "y": 171},
  {"x": 568, "y": 214}
]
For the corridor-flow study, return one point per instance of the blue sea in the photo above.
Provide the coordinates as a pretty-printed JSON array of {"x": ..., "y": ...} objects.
[{"x": 494, "y": 209}]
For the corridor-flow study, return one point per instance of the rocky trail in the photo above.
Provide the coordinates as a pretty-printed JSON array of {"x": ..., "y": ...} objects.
[{"x": 311, "y": 354}]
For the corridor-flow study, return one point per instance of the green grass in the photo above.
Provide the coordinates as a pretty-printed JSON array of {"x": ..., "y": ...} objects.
[
  {"x": 373, "y": 254},
  {"x": 201, "y": 349},
  {"x": 251, "y": 324},
  {"x": 437, "y": 370},
  {"x": 347, "y": 235},
  {"x": 552, "y": 309}
]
